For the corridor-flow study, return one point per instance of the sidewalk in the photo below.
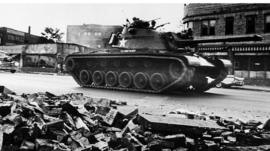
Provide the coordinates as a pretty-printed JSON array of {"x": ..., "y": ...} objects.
[
  {"x": 253, "y": 88},
  {"x": 45, "y": 73}
]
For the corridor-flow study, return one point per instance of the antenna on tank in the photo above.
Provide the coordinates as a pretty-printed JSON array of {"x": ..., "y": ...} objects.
[{"x": 125, "y": 15}]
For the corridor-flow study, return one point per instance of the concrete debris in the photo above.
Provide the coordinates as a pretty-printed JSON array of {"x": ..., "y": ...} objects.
[
  {"x": 74, "y": 122},
  {"x": 4, "y": 90}
]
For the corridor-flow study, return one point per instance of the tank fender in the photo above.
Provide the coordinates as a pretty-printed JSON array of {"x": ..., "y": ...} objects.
[
  {"x": 221, "y": 63},
  {"x": 198, "y": 61},
  {"x": 226, "y": 63}
]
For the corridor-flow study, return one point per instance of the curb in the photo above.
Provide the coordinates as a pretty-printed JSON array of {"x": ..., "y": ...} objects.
[
  {"x": 45, "y": 73},
  {"x": 251, "y": 89}
]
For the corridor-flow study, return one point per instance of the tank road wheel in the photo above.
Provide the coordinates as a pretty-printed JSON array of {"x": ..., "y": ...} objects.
[
  {"x": 111, "y": 78},
  {"x": 70, "y": 64},
  {"x": 140, "y": 80},
  {"x": 176, "y": 69},
  {"x": 125, "y": 79},
  {"x": 85, "y": 77},
  {"x": 98, "y": 77},
  {"x": 157, "y": 81}
]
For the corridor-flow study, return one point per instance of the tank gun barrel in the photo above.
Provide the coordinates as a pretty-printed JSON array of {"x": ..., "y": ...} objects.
[
  {"x": 162, "y": 25},
  {"x": 154, "y": 19}
]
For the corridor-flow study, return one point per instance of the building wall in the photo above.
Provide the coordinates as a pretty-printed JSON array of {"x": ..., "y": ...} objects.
[
  {"x": 10, "y": 36},
  {"x": 91, "y": 35},
  {"x": 196, "y": 13}
]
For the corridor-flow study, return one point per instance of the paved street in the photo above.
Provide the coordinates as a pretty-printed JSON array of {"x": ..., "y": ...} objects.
[{"x": 231, "y": 103}]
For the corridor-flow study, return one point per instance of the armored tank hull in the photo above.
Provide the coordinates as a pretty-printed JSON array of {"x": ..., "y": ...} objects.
[{"x": 146, "y": 72}]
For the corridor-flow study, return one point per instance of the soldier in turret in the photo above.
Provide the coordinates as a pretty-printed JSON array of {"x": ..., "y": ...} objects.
[{"x": 138, "y": 23}]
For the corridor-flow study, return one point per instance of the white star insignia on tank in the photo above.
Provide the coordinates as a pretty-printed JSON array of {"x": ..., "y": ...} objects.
[{"x": 123, "y": 42}]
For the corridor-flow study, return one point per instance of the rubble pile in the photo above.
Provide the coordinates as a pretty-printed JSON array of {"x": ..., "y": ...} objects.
[{"x": 45, "y": 122}]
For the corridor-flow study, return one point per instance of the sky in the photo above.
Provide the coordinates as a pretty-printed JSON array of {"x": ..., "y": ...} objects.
[{"x": 58, "y": 15}]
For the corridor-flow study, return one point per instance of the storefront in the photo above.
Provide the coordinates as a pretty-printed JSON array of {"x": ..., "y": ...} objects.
[
  {"x": 43, "y": 57},
  {"x": 251, "y": 61}
]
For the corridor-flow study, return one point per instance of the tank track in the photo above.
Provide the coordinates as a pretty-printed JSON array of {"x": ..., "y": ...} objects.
[{"x": 172, "y": 72}]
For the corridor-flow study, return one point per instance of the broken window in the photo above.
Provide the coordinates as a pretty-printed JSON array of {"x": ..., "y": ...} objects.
[
  {"x": 204, "y": 30},
  {"x": 190, "y": 25},
  {"x": 229, "y": 26},
  {"x": 267, "y": 23},
  {"x": 208, "y": 27},
  {"x": 250, "y": 24},
  {"x": 39, "y": 61},
  {"x": 31, "y": 61}
]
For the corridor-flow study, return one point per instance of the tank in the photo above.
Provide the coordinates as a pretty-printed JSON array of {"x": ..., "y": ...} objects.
[{"x": 145, "y": 60}]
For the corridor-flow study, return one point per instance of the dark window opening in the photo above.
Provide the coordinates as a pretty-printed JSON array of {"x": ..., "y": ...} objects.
[
  {"x": 267, "y": 23},
  {"x": 241, "y": 62},
  {"x": 208, "y": 27},
  {"x": 229, "y": 26},
  {"x": 267, "y": 63},
  {"x": 237, "y": 65},
  {"x": 250, "y": 24},
  {"x": 212, "y": 24}
]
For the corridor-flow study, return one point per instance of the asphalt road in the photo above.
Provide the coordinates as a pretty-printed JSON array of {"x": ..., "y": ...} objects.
[{"x": 229, "y": 103}]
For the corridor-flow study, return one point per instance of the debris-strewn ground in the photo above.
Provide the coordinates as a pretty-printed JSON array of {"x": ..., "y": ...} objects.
[{"x": 44, "y": 121}]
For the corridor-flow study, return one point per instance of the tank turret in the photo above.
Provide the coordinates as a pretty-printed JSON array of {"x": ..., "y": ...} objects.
[{"x": 143, "y": 59}]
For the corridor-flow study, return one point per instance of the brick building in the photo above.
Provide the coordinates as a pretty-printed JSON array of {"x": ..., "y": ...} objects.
[
  {"x": 250, "y": 59},
  {"x": 9, "y": 36},
  {"x": 91, "y": 35}
]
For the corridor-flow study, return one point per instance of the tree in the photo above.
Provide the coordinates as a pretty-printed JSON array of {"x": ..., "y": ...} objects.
[{"x": 52, "y": 34}]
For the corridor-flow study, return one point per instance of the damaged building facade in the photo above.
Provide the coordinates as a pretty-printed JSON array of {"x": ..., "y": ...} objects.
[
  {"x": 250, "y": 59},
  {"x": 42, "y": 57},
  {"x": 91, "y": 35},
  {"x": 36, "y": 53}
]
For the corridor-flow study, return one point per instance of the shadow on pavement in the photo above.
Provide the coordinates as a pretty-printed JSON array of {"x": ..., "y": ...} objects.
[
  {"x": 193, "y": 94},
  {"x": 169, "y": 94}
]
